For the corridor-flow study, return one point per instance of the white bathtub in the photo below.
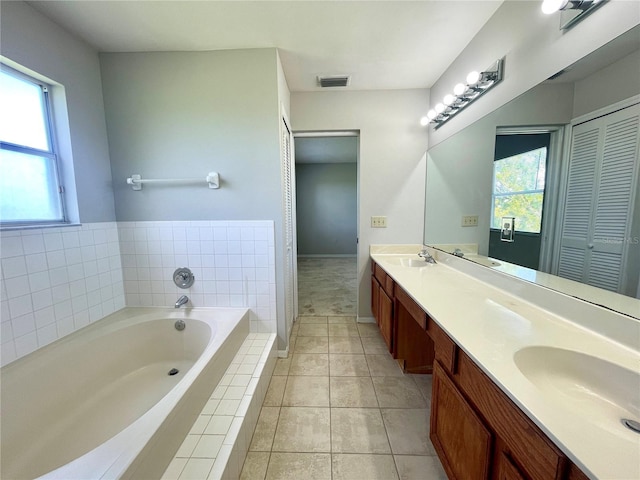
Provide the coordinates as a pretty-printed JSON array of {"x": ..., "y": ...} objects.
[{"x": 101, "y": 404}]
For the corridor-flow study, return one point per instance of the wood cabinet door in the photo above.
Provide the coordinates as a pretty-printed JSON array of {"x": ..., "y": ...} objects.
[
  {"x": 460, "y": 438},
  {"x": 386, "y": 318},
  {"x": 507, "y": 470},
  {"x": 375, "y": 299}
]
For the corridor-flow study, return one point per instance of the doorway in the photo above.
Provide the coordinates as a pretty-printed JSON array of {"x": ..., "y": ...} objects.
[
  {"x": 518, "y": 197},
  {"x": 326, "y": 182}
]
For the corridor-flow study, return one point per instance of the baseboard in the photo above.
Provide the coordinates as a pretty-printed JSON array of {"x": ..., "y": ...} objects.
[
  {"x": 283, "y": 353},
  {"x": 366, "y": 320}
]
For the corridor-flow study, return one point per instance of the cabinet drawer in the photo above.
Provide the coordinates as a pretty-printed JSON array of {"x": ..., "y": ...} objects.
[
  {"x": 380, "y": 274},
  {"x": 445, "y": 347},
  {"x": 388, "y": 286},
  {"x": 412, "y": 307},
  {"x": 538, "y": 457}
]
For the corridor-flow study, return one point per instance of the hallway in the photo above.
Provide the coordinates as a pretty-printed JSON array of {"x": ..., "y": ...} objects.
[{"x": 339, "y": 407}]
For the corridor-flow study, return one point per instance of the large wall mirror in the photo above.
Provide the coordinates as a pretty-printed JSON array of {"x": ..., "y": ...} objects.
[{"x": 547, "y": 186}]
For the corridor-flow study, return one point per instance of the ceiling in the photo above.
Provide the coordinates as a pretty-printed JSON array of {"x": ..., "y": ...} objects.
[{"x": 381, "y": 44}]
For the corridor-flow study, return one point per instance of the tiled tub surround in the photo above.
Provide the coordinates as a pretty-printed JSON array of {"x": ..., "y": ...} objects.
[
  {"x": 217, "y": 444},
  {"x": 501, "y": 316},
  {"x": 132, "y": 416},
  {"x": 56, "y": 281},
  {"x": 233, "y": 263}
]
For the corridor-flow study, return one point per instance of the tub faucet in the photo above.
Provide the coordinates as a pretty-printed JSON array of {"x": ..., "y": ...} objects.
[
  {"x": 424, "y": 253},
  {"x": 181, "y": 301}
]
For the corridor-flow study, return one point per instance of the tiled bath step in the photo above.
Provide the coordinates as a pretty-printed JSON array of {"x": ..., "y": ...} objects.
[{"x": 217, "y": 444}]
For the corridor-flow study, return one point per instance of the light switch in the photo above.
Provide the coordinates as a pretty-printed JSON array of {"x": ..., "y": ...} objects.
[
  {"x": 470, "y": 220},
  {"x": 379, "y": 222}
]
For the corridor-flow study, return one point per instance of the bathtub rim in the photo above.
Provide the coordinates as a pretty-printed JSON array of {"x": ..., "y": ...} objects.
[{"x": 112, "y": 458}]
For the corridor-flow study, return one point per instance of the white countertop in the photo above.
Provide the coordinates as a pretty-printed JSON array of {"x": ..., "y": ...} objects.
[{"x": 492, "y": 324}]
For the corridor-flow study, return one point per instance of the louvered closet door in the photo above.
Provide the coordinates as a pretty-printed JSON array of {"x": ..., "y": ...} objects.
[
  {"x": 288, "y": 220},
  {"x": 603, "y": 179}
]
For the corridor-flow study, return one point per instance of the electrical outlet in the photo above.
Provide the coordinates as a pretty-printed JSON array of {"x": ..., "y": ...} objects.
[
  {"x": 379, "y": 222},
  {"x": 470, "y": 220}
]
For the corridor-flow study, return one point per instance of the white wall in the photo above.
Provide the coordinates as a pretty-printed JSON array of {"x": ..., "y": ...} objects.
[
  {"x": 183, "y": 114},
  {"x": 326, "y": 203},
  {"x": 535, "y": 48},
  {"x": 391, "y": 170},
  {"x": 36, "y": 43}
]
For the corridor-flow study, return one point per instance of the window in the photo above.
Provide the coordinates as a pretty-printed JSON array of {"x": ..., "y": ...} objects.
[
  {"x": 518, "y": 190},
  {"x": 30, "y": 190}
]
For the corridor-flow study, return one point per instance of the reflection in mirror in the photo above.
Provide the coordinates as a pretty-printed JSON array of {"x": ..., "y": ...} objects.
[{"x": 552, "y": 178}]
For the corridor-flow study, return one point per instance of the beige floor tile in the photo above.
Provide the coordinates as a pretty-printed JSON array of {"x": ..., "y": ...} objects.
[
  {"x": 352, "y": 466},
  {"x": 299, "y": 466},
  {"x": 358, "y": 430},
  {"x": 311, "y": 319},
  {"x": 352, "y": 392},
  {"x": 368, "y": 330},
  {"x": 383, "y": 366},
  {"x": 408, "y": 430},
  {"x": 255, "y": 466},
  {"x": 343, "y": 330},
  {"x": 265, "y": 429},
  {"x": 344, "y": 319},
  {"x": 341, "y": 365},
  {"x": 351, "y": 345},
  {"x": 313, "y": 330},
  {"x": 312, "y": 345},
  {"x": 374, "y": 346},
  {"x": 412, "y": 467},
  {"x": 306, "y": 391},
  {"x": 398, "y": 392},
  {"x": 273, "y": 397},
  {"x": 309, "y": 364},
  {"x": 303, "y": 429},
  {"x": 282, "y": 365},
  {"x": 424, "y": 384}
]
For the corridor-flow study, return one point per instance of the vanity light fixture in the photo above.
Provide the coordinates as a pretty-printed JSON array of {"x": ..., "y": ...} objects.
[
  {"x": 478, "y": 83},
  {"x": 572, "y": 11}
]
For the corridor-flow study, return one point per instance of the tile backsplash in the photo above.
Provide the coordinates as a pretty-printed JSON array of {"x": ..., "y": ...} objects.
[
  {"x": 57, "y": 280},
  {"x": 233, "y": 263}
]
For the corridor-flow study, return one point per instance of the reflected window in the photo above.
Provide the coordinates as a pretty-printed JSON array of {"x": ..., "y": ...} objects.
[
  {"x": 518, "y": 190},
  {"x": 30, "y": 190}
]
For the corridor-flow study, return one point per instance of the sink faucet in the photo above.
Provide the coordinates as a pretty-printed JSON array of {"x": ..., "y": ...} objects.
[
  {"x": 458, "y": 253},
  {"x": 424, "y": 253},
  {"x": 181, "y": 301}
]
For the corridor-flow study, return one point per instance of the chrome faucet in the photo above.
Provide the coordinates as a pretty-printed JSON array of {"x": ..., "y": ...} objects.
[
  {"x": 424, "y": 253},
  {"x": 458, "y": 253},
  {"x": 181, "y": 301}
]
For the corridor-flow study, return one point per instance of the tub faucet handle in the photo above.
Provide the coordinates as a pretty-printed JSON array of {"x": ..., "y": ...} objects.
[{"x": 181, "y": 301}]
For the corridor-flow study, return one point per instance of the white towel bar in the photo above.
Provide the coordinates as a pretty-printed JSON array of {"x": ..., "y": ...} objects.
[{"x": 213, "y": 179}]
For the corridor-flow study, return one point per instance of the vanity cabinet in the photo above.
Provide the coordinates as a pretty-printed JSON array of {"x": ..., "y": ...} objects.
[
  {"x": 477, "y": 431},
  {"x": 382, "y": 287}
]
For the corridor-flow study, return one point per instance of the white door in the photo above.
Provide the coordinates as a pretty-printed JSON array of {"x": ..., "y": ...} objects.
[
  {"x": 598, "y": 211},
  {"x": 289, "y": 214}
]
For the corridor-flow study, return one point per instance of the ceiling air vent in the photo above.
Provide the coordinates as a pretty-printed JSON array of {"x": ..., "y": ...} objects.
[{"x": 334, "y": 81}]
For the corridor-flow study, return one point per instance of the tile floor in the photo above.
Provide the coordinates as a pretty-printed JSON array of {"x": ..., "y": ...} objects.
[
  {"x": 340, "y": 408},
  {"x": 327, "y": 285}
]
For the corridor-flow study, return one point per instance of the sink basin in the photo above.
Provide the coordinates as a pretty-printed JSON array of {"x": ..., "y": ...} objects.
[
  {"x": 603, "y": 392},
  {"x": 408, "y": 262}
]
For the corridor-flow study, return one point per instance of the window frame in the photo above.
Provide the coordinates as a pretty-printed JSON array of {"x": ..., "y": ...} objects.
[{"x": 51, "y": 154}]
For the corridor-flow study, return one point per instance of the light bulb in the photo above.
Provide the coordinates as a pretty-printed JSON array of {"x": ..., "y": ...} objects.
[
  {"x": 459, "y": 89},
  {"x": 473, "y": 77},
  {"x": 431, "y": 114},
  {"x": 424, "y": 121},
  {"x": 551, "y": 6},
  {"x": 448, "y": 99},
  {"x": 439, "y": 108}
]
